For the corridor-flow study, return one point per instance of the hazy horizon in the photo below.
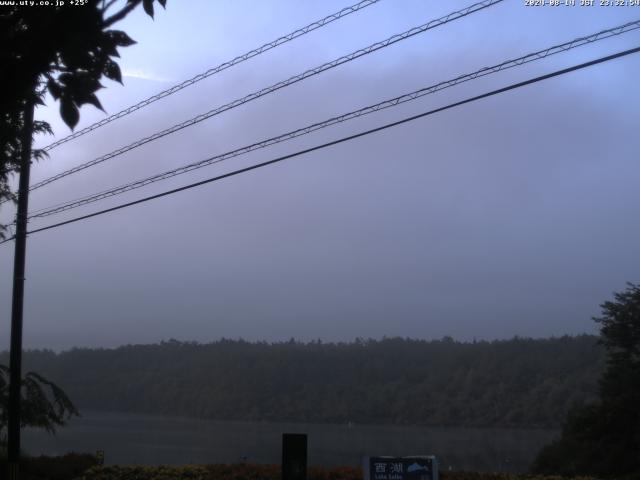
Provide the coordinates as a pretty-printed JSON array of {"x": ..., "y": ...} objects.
[{"x": 349, "y": 341}]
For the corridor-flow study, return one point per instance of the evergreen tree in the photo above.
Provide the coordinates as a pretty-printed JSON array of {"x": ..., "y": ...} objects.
[{"x": 603, "y": 439}]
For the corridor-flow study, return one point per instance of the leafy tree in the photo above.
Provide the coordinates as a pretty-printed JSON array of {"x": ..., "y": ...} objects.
[
  {"x": 603, "y": 439},
  {"x": 44, "y": 404},
  {"x": 64, "y": 51}
]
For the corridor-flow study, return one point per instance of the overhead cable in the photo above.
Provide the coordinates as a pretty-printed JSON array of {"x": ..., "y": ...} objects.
[
  {"x": 341, "y": 118},
  {"x": 342, "y": 140},
  {"x": 277, "y": 86},
  {"x": 223, "y": 66}
]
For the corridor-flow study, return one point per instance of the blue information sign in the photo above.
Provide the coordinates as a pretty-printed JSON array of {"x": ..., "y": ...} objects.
[{"x": 401, "y": 468}]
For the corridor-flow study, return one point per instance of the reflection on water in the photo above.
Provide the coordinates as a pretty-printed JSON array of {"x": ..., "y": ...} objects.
[{"x": 153, "y": 440}]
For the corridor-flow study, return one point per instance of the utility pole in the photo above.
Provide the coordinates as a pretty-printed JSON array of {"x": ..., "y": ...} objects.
[{"x": 15, "y": 355}]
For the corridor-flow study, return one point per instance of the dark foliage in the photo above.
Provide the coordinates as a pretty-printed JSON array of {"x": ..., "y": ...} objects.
[
  {"x": 238, "y": 471},
  {"x": 266, "y": 472},
  {"x": 67, "y": 467},
  {"x": 44, "y": 404},
  {"x": 603, "y": 438},
  {"x": 515, "y": 383},
  {"x": 62, "y": 50}
]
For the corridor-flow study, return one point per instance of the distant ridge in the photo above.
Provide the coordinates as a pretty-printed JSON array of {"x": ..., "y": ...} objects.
[{"x": 505, "y": 383}]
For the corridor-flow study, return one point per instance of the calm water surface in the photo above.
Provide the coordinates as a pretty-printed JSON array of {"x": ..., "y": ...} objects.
[{"x": 153, "y": 440}]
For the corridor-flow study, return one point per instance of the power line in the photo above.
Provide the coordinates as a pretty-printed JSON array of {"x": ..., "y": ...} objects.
[
  {"x": 603, "y": 34},
  {"x": 277, "y": 86},
  {"x": 223, "y": 66},
  {"x": 344, "y": 139}
]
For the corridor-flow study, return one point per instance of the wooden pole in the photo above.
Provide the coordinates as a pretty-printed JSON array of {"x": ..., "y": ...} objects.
[{"x": 15, "y": 355}]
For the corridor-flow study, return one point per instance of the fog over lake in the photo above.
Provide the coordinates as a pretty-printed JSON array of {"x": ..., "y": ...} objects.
[{"x": 412, "y": 230}]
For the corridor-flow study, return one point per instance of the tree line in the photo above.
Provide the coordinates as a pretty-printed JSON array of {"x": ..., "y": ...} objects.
[{"x": 512, "y": 383}]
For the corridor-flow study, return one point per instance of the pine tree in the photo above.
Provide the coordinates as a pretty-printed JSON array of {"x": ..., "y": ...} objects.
[{"x": 603, "y": 439}]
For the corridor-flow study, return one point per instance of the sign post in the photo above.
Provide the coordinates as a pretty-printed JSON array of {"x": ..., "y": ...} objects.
[{"x": 420, "y": 467}]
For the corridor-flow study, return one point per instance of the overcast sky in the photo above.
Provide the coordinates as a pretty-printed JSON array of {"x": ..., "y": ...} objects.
[{"x": 514, "y": 215}]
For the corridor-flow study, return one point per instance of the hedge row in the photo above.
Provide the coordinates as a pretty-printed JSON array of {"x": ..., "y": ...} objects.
[{"x": 264, "y": 472}]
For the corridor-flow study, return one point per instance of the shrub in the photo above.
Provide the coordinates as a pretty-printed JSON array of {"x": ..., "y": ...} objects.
[{"x": 66, "y": 467}]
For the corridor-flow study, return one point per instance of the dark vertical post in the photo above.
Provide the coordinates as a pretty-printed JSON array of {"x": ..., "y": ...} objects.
[
  {"x": 15, "y": 356},
  {"x": 294, "y": 456}
]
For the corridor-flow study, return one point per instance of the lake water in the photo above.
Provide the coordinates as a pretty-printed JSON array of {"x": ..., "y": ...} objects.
[{"x": 154, "y": 440}]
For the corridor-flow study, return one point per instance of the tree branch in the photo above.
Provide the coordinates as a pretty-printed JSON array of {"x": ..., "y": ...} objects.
[
  {"x": 116, "y": 17},
  {"x": 106, "y": 6}
]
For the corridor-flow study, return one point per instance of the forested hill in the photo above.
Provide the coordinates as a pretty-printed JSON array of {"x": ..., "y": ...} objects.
[{"x": 515, "y": 383}]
